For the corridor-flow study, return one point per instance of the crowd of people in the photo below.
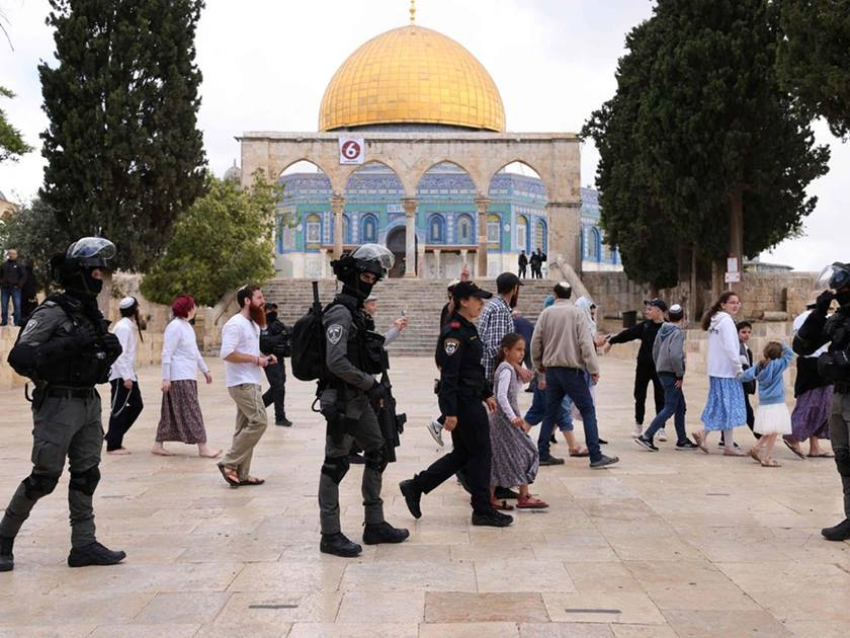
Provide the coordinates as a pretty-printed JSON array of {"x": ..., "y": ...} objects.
[{"x": 486, "y": 353}]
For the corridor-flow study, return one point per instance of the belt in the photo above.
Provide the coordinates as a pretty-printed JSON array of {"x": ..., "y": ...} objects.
[{"x": 71, "y": 393}]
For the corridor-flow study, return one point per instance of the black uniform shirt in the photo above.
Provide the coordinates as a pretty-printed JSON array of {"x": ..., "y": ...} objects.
[
  {"x": 459, "y": 352},
  {"x": 646, "y": 331}
]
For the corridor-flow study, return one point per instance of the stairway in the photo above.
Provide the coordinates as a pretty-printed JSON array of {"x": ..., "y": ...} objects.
[{"x": 421, "y": 299}]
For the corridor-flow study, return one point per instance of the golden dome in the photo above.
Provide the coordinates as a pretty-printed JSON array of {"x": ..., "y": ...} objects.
[{"x": 412, "y": 75}]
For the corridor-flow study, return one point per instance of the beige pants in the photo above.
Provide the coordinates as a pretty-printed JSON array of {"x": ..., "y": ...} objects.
[{"x": 250, "y": 424}]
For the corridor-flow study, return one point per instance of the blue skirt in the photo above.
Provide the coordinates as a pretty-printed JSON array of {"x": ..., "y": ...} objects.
[{"x": 725, "y": 408}]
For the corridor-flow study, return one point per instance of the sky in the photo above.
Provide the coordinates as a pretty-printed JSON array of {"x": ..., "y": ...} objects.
[{"x": 266, "y": 64}]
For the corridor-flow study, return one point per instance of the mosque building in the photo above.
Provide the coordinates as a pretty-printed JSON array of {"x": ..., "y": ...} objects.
[{"x": 438, "y": 181}]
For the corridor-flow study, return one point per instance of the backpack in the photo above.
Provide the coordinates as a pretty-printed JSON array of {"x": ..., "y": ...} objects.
[{"x": 308, "y": 342}]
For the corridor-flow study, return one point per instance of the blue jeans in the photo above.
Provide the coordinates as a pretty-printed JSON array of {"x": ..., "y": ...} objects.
[
  {"x": 537, "y": 410},
  {"x": 572, "y": 383},
  {"x": 674, "y": 405},
  {"x": 15, "y": 294}
]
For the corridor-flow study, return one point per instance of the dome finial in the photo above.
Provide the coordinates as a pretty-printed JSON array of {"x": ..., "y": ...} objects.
[{"x": 412, "y": 11}]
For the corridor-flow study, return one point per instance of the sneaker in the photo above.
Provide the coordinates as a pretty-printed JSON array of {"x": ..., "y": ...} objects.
[
  {"x": 662, "y": 435},
  {"x": 377, "y": 533},
  {"x": 7, "y": 558},
  {"x": 94, "y": 554},
  {"x": 491, "y": 519},
  {"x": 338, "y": 545},
  {"x": 412, "y": 496},
  {"x": 645, "y": 443},
  {"x": 551, "y": 460},
  {"x": 505, "y": 494},
  {"x": 283, "y": 421},
  {"x": 435, "y": 429},
  {"x": 840, "y": 532},
  {"x": 637, "y": 431},
  {"x": 687, "y": 445},
  {"x": 604, "y": 461}
]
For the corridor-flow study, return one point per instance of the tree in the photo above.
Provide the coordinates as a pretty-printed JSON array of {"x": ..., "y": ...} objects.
[
  {"x": 12, "y": 144},
  {"x": 224, "y": 241},
  {"x": 814, "y": 58},
  {"x": 124, "y": 153}
]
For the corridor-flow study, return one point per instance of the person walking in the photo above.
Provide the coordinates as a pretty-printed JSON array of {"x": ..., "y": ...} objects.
[
  {"x": 29, "y": 293},
  {"x": 772, "y": 416},
  {"x": 523, "y": 264},
  {"x": 668, "y": 352},
  {"x": 725, "y": 408},
  {"x": 645, "y": 372},
  {"x": 243, "y": 365},
  {"x": 126, "y": 404},
  {"x": 12, "y": 278},
  {"x": 561, "y": 350},
  {"x": 497, "y": 320},
  {"x": 274, "y": 339},
  {"x": 181, "y": 418},
  {"x": 463, "y": 390}
]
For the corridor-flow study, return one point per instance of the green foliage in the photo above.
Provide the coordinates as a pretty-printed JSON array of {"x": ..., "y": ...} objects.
[
  {"x": 814, "y": 58},
  {"x": 224, "y": 241},
  {"x": 123, "y": 150},
  {"x": 12, "y": 144}
]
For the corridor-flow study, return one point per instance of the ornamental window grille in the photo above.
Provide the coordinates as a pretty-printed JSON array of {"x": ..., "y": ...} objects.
[
  {"x": 436, "y": 229},
  {"x": 370, "y": 229},
  {"x": 464, "y": 229},
  {"x": 494, "y": 229},
  {"x": 314, "y": 229},
  {"x": 522, "y": 233}
]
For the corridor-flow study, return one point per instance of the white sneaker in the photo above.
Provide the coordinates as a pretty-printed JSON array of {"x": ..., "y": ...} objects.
[
  {"x": 637, "y": 431},
  {"x": 435, "y": 429},
  {"x": 662, "y": 435}
]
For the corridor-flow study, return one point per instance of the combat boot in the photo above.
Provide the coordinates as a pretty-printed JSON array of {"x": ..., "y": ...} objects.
[
  {"x": 7, "y": 559},
  {"x": 377, "y": 533},
  {"x": 94, "y": 554},
  {"x": 412, "y": 496},
  {"x": 491, "y": 519},
  {"x": 840, "y": 532},
  {"x": 338, "y": 545}
]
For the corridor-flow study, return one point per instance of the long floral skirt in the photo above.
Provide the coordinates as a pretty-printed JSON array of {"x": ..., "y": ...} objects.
[
  {"x": 181, "y": 418},
  {"x": 811, "y": 414},
  {"x": 725, "y": 408}
]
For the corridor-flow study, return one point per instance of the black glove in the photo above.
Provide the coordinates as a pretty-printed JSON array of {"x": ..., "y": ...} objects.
[
  {"x": 111, "y": 345},
  {"x": 824, "y": 300},
  {"x": 377, "y": 392}
]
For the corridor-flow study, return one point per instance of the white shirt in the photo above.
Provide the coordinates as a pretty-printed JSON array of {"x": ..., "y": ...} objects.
[
  {"x": 241, "y": 335},
  {"x": 125, "y": 365},
  {"x": 724, "y": 347},
  {"x": 181, "y": 358}
]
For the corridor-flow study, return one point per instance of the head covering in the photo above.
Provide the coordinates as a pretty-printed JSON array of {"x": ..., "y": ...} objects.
[
  {"x": 371, "y": 298},
  {"x": 548, "y": 301},
  {"x": 676, "y": 312},
  {"x": 452, "y": 284},
  {"x": 585, "y": 304},
  {"x": 657, "y": 303},
  {"x": 126, "y": 303},
  {"x": 467, "y": 289},
  {"x": 182, "y": 306}
]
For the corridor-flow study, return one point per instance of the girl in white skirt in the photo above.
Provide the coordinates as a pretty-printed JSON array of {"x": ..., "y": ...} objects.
[{"x": 772, "y": 416}]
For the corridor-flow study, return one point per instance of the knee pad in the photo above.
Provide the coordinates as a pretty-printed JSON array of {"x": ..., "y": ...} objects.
[
  {"x": 38, "y": 485},
  {"x": 376, "y": 460},
  {"x": 335, "y": 468},
  {"x": 85, "y": 482},
  {"x": 842, "y": 461}
]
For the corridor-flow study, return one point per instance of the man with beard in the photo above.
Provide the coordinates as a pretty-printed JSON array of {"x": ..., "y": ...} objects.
[
  {"x": 66, "y": 351},
  {"x": 126, "y": 398},
  {"x": 243, "y": 367},
  {"x": 274, "y": 339},
  {"x": 497, "y": 320}
]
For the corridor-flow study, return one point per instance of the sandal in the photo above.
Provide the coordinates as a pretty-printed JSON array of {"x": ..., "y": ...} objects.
[
  {"x": 501, "y": 505},
  {"x": 822, "y": 455},
  {"x": 531, "y": 503},
  {"x": 581, "y": 453},
  {"x": 770, "y": 463},
  {"x": 228, "y": 473},
  {"x": 732, "y": 452},
  {"x": 794, "y": 450},
  {"x": 754, "y": 453},
  {"x": 699, "y": 437},
  {"x": 252, "y": 480}
]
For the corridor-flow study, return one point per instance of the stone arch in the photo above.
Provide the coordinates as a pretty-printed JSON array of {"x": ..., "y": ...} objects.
[
  {"x": 421, "y": 170},
  {"x": 518, "y": 160}
]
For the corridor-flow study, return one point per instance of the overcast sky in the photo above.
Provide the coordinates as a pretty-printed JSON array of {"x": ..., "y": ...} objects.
[{"x": 266, "y": 64}]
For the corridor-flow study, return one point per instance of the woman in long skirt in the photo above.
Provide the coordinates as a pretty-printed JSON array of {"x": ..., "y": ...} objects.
[{"x": 181, "y": 419}]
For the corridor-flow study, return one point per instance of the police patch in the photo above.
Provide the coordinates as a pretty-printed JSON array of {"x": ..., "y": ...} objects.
[
  {"x": 334, "y": 333},
  {"x": 32, "y": 324},
  {"x": 450, "y": 346}
]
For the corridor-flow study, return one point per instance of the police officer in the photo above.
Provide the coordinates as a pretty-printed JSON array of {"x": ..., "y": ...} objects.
[
  {"x": 353, "y": 356},
  {"x": 66, "y": 350},
  {"x": 833, "y": 366},
  {"x": 274, "y": 339},
  {"x": 463, "y": 391}
]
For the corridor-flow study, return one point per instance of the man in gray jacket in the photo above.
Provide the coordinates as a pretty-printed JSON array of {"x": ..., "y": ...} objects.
[{"x": 668, "y": 352}]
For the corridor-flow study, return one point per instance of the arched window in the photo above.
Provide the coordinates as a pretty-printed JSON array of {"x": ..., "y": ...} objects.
[
  {"x": 346, "y": 230},
  {"x": 522, "y": 233},
  {"x": 464, "y": 230},
  {"x": 494, "y": 229},
  {"x": 592, "y": 251},
  {"x": 436, "y": 229},
  {"x": 540, "y": 238},
  {"x": 369, "y": 229},
  {"x": 313, "y": 231}
]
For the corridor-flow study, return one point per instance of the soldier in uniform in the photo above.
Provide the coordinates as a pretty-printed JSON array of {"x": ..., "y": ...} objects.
[
  {"x": 833, "y": 366},
  {"x": 353, "y": 354},
  {"x": 66, "y": 350},
  {"x": 462, "y": 393},
  {"x": 274, "y": 339}
]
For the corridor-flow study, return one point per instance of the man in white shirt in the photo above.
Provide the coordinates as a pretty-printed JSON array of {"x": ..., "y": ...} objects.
[
  {"x": 243, "y": 367},
  {"x": 126, "y": 398}
]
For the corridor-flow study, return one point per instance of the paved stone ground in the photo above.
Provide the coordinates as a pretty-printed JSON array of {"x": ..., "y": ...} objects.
[{"x": 663, "y": 544}]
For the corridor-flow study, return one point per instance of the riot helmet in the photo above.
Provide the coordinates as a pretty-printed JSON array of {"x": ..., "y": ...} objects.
[
  {"x": 368, "y": 258},
  {"x": 74, "y": 270}
]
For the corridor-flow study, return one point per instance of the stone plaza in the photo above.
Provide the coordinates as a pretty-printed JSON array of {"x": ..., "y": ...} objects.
[{"x": 665, "y": 544}]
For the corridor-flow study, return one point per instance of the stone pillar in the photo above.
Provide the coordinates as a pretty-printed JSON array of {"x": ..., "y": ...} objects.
[
  {"x": 422, "y": 270},
  {"x": 410, "y": 205},
  {"x": 464, "y": 255},
  {"x": 564, "y": 234},
  {"x": 338, "y": 208},
  {"x": 323, "y": 255},
  {"x": 481, "y": 205},
  {"x": 437, "y": 253}
]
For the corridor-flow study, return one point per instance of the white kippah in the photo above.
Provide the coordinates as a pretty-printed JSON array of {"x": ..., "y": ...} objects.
[
  {"x": 565, "y": 284},
  {"x": 675, "y": 309},
  {"x": 371, "y": 298},
  {"x": 126, "y": 302}
]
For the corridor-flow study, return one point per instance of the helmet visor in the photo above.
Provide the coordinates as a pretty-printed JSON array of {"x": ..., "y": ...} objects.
[
  {"x": 91, "y": 252},
  {"x": 834, "y": 277},
  {"x": 375, "y": 253}
]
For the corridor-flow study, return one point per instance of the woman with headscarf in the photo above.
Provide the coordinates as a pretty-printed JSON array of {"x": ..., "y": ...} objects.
[{"x": 181, "y": 418}]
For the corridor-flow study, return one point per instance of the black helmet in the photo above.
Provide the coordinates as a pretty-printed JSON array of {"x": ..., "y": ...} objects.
[
  {"x": 74, "y": 269},
  {"x": 368, "y": 258}
]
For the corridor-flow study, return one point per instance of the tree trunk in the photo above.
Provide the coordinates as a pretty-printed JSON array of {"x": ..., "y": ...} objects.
[
  {"x": 736, "y": 235},
  {"x": 693, "y": 300}
]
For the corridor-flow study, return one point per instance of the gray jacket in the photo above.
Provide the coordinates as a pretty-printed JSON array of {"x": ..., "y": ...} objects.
[{"x": 668, "y": 351}]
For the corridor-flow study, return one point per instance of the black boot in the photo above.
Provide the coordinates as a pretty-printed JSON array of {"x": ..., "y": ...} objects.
[
  {"x": 94, "y": 554},
  {"x": 412, "y": 496},
  {"x": 840, "y": 532},
  {"x": 377, "y": 533},
  {"x": 491, "y": 519},
  {"x": 283, "y": 421},
  {"x": 338, "y": 545},
  {"x": 7, "y": 559}
]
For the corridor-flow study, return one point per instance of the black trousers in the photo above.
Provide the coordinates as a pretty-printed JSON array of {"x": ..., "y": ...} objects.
[
  {"x": 276, "y": 375},
  {"x": 522, "y": 271},
  {"x": 126, "y": 407},
  {"x": 645, "y": 374},
  {"x": 470, "y": 453}
]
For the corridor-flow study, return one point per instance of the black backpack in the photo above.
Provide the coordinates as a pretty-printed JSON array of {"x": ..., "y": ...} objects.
[{"x": 308, "y": 342}]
